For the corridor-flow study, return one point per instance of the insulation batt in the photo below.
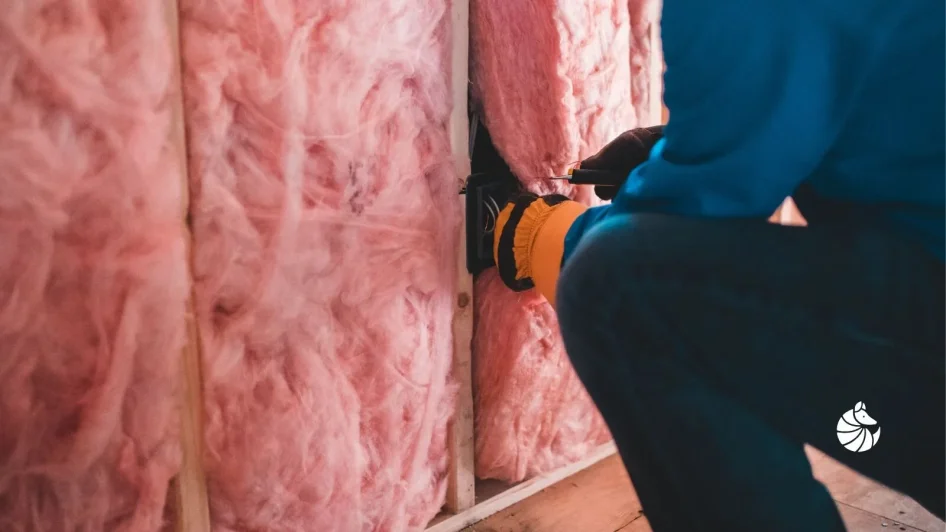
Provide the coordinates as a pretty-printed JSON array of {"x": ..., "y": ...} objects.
[
  {"x": 325, "y": 211},
  {"x": 93, "y": 273},
  {"x": 555, "y": 81}
]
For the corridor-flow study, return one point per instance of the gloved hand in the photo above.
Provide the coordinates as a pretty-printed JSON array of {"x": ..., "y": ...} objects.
[
  {"x": 622, "y": 155},
  {"x": 529, "y": 240}
]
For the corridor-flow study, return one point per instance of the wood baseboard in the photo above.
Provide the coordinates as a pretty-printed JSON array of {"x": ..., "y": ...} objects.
[{"x": 493, "y": 497}]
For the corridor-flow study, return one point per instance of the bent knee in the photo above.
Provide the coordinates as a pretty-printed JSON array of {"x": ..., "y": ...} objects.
[
  {"x": 599, "y": 268},
  {"x": 625, "y": 251},
  {"x": 623, "y": 256},
  {"x": 606, "y": 252},
  {"x": 597, "y": 288}
]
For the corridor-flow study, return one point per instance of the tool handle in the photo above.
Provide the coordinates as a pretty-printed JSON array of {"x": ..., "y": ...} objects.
[{"x": 581, "y": 176}]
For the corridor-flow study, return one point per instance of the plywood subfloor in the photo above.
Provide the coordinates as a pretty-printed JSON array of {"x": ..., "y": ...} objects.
[{"x": 601, "y": 499}]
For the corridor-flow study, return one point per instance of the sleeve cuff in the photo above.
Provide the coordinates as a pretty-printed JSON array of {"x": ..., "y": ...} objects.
[{"x": 549, "y": 247}]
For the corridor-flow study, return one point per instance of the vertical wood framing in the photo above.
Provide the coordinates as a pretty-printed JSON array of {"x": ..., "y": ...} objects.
[
  {"x": 193, "y": 510},
  {"x": 658, "y": 111},
  {"x": 460, "y": 478}
]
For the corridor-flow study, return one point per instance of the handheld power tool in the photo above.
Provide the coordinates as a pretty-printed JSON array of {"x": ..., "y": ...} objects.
[{"x": 492, "y": 184}]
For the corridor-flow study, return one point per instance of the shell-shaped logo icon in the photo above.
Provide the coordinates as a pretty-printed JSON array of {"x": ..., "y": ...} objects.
[{"x": 853, "y": 432}]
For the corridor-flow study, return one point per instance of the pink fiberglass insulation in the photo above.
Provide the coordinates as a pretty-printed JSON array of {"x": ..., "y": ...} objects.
[
  {"x": 93, "y": 274},
  {"x": 324, "y": 211},
  {"x": 554, "y": 82},
  {"x": 533, "y": 413}
]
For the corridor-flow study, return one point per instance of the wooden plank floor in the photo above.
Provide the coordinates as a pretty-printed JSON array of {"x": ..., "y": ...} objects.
[{"x": 601, "y": 499}]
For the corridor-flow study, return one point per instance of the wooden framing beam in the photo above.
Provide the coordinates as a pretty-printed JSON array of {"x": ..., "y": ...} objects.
[
  {"x": 460, "y": 477},
  {"x": 657, "y": 109},
  {"x": 490, "y": 505},
  {"x": 190, "y": 486}
]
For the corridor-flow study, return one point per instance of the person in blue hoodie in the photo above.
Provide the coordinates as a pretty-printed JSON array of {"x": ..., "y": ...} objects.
[{"x": 716, "y": 344}]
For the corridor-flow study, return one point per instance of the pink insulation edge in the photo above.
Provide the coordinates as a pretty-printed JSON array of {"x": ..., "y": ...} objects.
[
  {"x": 93, "y": 276},
  {"x": 325, "y": 214},
  {"x": 555, "y": 80}
]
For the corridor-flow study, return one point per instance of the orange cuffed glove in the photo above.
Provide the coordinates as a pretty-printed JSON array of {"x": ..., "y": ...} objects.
[{"x": 530, "y": 241}]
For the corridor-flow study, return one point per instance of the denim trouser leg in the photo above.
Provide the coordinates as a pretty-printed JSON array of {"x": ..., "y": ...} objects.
[{"x": 715, "y": 349}]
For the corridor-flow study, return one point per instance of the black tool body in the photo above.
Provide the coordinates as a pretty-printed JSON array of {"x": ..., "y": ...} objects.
[
  {"x": 606, "y": 178},
  {"x": 487, "y": 190},
  {"x": 492, "y": 184}
]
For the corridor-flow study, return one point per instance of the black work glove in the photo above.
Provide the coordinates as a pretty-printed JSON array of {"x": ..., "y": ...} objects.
[{"x": 622, "y": 155}]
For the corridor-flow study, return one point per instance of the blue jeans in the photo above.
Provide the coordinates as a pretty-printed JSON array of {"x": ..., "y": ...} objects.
[{"x": 715, "y": 349}]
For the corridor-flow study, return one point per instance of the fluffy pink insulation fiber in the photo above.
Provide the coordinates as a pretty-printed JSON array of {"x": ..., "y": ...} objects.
[
  {"x": 324, "y": 211},
  {"x": 93, "y": 275},
  {"x": 555, "y": 80}
]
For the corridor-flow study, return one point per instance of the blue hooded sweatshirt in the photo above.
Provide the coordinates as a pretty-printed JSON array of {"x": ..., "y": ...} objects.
[{"x": 839, "y": 103}]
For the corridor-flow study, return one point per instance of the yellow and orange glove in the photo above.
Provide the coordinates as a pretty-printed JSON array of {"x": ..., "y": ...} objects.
[{"x": 529, "y": 240}]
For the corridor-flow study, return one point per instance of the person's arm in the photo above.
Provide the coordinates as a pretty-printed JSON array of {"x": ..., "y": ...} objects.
[
  {"x": 752, "y": 89},
  {"x": 752, "y": 92},
  {"x": 535, "y": 243}
]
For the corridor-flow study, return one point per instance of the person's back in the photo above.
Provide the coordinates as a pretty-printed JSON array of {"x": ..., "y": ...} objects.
[{"x": 888, "y": 164}]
